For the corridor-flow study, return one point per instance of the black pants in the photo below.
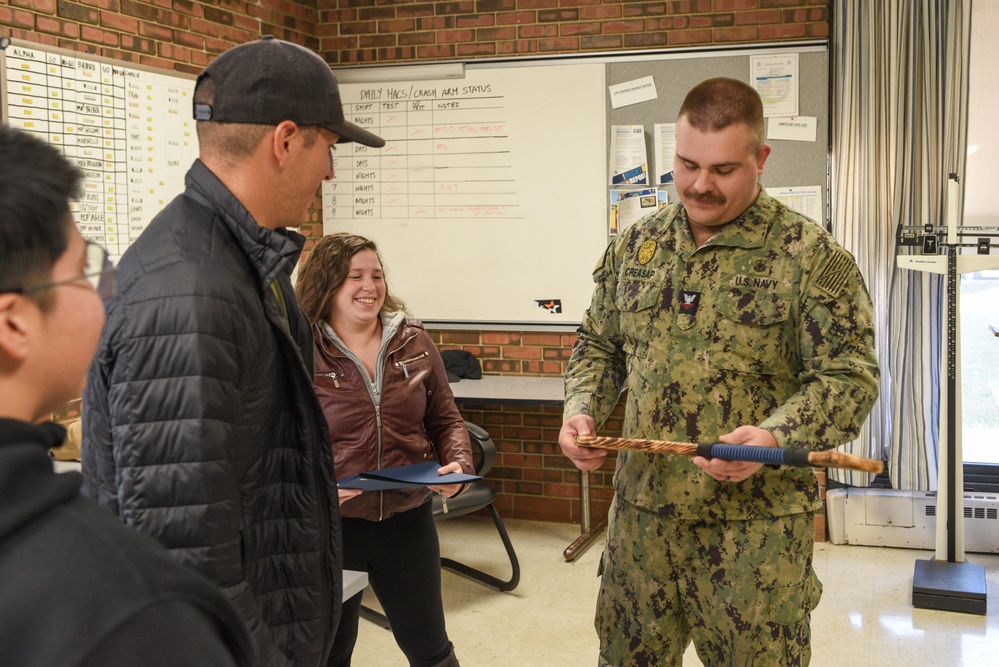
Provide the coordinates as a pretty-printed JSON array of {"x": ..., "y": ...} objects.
[{"x": 402, "y": 557}]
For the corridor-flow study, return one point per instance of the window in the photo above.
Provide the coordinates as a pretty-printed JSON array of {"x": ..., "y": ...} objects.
[{"x": 980, "y": 291}]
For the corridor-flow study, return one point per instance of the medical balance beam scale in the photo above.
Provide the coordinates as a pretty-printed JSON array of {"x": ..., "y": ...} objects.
[{"x": 948, "y": 582}]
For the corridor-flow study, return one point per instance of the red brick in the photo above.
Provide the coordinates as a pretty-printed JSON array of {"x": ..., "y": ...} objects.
[
  {"x": 644, "y": 9},
  {"x": 522, "y": 352},
  {"x": 600, "y": 12},
  {"x": 396, "y": 53},
  {"x": 483, "y": 6},
  {"x": 495, "y": 34},
  {"x": 743, "y": 34},
  {"x": 558, "y": 16},
  {"x": 415, "y": 38},
  {"x": 500, "y": 337},
  {"x": 189, "y": 39},
  {"x": 759, "y": 18},
  {"x": 455, "y": 36},
  {"x": 40, "y": 6},
  {"x": 174, "y": 52},
  {"x": 396, "y": 26},
  {"x": 435, "y": 23},
  {"x": 517, "y": 46},
  {"x": 140, "y": 10},
  {"x": 57, "y": 27},
  {"x": 537, "y": 4},
  {"x": 522, "y": 18},
  {"x": 612, "y": 27},
  {"x": 138, "y": 44},
  {"x": 480, "y": 21},
  {"x": 118, "y": 54},
  {"x": 597, "y": 42},
  {"x": 188, "y": 7},
  {"x": 682, "y": 37},
  {"x": 561, "y": 490},
  {"x": 459, "y": 337},
  {"x": 98, "y": 36},
  {"x": 783, "y": 32},
  {"x": 542, "y": 509},
  {"x": 415, "y": 11},
  {"x": 76, "y": 12},
  {"x": 645, "y": 40},
  {"x": 358, "y": 27},
  {"x": 375, "y": 41},
  {"x": 155, "y": 31},
  {"x": 579, "y": 29},
  {"x": 559, "y": 44}
]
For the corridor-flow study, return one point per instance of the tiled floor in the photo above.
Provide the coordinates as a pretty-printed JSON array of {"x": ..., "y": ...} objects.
[{"x": 865, "y": 617}]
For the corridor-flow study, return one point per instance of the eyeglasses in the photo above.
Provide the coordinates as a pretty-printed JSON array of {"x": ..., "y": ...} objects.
[{"x": 98, "y": 272}]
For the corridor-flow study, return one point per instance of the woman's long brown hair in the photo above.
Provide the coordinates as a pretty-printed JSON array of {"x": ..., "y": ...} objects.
[{"x": 326, "y": 269}]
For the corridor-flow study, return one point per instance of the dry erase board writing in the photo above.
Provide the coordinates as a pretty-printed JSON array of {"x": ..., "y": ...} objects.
[
  {"x": 483, "y": 197},
  {"x": 448, "y": 154},
  {"x": 128, "y": 129}
]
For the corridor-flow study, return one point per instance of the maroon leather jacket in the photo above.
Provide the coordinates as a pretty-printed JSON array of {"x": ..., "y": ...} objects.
[{"x": 413, "y": 420}]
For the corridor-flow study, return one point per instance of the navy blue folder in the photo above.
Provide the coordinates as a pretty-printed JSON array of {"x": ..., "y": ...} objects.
[{"x": 404, "y": 477}]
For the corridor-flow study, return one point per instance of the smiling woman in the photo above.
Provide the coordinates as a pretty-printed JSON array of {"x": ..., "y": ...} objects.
[{"x": 384, "y": 389}]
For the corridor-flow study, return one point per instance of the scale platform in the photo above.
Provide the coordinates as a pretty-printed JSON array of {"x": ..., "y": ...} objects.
[{"x": 946, "y": 586}]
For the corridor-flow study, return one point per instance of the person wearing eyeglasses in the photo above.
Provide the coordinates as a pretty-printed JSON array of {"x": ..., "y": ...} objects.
[
  {"x": 200, "y": 423},
  {"x": 79, "y": 588}
]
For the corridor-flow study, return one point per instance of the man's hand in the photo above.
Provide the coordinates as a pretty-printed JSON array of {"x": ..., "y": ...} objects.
[
  {"x": 736, "y": 471},
  {"x": 583, "y": 458}
]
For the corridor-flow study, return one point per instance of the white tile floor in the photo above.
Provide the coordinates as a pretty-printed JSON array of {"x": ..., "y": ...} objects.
[{"x": 865, "y": 617}]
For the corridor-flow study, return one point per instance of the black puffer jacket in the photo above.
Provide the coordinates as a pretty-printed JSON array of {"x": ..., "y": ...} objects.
[{"x": 201, "y": 427}]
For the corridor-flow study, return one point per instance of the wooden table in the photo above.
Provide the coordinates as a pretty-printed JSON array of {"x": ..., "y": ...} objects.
[{"x": 533, "y": 390}]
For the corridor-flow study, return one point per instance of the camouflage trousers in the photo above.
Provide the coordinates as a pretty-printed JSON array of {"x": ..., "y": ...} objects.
[{"x": 741, "y": 590}]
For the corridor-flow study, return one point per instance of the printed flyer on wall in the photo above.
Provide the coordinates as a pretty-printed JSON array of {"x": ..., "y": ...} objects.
[
  {"x": 628, "y": 164},
  {"x": 629, "y": 206}
]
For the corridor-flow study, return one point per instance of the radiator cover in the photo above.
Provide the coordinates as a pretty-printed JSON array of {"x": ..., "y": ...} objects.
[{"x": 908, "y": 519}]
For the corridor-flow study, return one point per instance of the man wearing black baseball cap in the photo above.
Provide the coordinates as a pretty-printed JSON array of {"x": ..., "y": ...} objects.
[{"x": 201, "y": 426}]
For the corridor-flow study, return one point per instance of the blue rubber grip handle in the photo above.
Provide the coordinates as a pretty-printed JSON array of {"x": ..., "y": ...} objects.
[{"x": 790, "y": 456}]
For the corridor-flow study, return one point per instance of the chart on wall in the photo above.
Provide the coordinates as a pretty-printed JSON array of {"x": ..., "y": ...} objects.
[
  {"x": 480, "y": 199},
  {"x": 128, "y": 129}
]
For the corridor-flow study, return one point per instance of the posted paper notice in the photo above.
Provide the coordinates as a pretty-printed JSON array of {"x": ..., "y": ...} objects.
[
  {"x": 776, "y": 80},
  {"x": 632, "y": 92},
  {"x": 806, "y": 200},
  {"x": 628, "y": 164},
  {"x": 792, "y": 128},
  {"x": 665, "y": 140}
]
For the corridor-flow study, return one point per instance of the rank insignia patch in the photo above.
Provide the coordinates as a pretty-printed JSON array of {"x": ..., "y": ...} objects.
[
  {"x": 646, "y": 251},
  {"x": 689, "y": 302}
]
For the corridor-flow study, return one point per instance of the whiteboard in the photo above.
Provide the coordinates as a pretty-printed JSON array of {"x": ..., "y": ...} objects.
[
  {"x": 129, "y": 129},
  {"x": 483, "y": 199}
]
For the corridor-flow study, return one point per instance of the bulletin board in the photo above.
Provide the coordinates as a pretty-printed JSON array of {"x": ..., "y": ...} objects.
[
  {"x": 489, "y": 201},
  {"x": 128, "y": 128}
]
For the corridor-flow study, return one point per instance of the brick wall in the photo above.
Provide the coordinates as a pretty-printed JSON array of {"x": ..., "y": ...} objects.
[
  {"x": 533, "y": 479},
  {"x": 362, "y": 31}
]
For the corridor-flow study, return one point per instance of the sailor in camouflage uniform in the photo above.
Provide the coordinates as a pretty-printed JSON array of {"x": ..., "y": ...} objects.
[{"x": 729, "y": 318}]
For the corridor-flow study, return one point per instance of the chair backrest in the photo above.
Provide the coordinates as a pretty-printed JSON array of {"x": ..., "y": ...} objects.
[{"x": 479, "y": 437}]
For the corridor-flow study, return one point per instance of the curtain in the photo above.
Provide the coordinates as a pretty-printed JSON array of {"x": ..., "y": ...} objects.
[{"x": 899, "y": 96}]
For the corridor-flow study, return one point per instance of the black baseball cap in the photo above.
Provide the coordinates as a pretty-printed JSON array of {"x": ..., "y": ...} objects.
[{"x": 270, "y": 80}]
